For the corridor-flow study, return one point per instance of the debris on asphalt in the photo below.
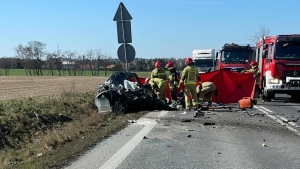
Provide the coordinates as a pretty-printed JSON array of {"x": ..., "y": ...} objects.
[
  {"x": 186, "y": 120},
  {"x": 209, "y": 123},
  {"x": 294, "y": 120},
  {"x": 199, "y": 114},
  {"x": 145, "y": 137},
  {"x": 189, "y": 135},
  {"x": 264, "y": 145},
  {"x": 254, "y": 114}
]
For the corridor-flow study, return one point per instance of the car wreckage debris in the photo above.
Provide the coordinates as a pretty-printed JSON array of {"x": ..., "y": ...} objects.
[{"x": 125, "y": 93}]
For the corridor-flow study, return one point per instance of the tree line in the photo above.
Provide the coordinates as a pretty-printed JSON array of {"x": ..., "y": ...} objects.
[{"x": 35, "y": 61}]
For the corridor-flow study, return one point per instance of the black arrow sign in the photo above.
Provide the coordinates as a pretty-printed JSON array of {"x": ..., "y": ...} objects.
[
  {"x": 126, "y": 52},
  {"x": 122, "y": 14}
]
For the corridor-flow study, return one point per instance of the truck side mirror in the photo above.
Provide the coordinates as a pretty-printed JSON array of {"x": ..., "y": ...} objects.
[
  {"x": 217, "y": 55},
  {"x": 264, "y": 53}
]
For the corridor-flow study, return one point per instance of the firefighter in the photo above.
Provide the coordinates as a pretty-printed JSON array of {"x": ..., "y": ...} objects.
[
  {"x": 206, "y": 89},
  {"x": 159, "y": 86},
  {"x": 173, "y": 77},
  {"x": 255, "y": 70},
  {"x": 158, "y": 80},
  {"x": 190, "y": 75}
]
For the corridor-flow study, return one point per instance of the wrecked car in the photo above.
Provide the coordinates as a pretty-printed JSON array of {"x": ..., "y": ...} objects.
[{"x": 122, "y": 92}]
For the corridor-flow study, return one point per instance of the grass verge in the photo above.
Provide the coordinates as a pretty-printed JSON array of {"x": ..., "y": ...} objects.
[
  {"x": 50, "y": 132},
  {"x": 22, "y": 72}
]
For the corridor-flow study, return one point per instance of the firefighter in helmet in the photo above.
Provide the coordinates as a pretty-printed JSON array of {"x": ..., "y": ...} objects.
[
  {"x": 190, "y": 75},
  {"x": 255, "y": 70},
  {"x": 173, "y": 77},
  {"x": 158, "y": 81},
  {"x": 206, "y": 89}
]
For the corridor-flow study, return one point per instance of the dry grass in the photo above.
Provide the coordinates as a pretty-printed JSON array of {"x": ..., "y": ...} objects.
[
  {"x": 34, "y": 136},
  {"x": 13, "y": 87}
]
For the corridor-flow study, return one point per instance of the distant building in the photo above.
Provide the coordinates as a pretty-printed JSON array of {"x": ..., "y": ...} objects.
[{"x": 68, "y": 65}]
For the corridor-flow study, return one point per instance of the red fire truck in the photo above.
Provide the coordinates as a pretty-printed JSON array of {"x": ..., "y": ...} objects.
[
  {"x": 279, "y": 62},
  {"x": 235, "y": 57}
]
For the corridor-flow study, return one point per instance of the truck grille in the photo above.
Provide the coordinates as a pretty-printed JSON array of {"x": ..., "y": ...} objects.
[
  {"x": 233, "y": 69},
  {"x": 294, "y": 83}
]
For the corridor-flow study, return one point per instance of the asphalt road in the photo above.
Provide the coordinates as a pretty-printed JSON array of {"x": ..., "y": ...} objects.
[{"x": 264, "y": 137}]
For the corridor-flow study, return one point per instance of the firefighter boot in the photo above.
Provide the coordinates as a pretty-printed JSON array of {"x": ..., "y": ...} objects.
[
  {"x": 188, "y": 108},
  {"x": 254, "y": 102},
  {"x": 264, "y": 98}
]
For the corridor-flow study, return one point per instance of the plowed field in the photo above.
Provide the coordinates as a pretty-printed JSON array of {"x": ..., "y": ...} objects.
[{"x": 12, "y": 87}]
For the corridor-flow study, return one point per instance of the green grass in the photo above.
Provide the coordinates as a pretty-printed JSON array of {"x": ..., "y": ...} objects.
[{"x": 21, "y": 72}]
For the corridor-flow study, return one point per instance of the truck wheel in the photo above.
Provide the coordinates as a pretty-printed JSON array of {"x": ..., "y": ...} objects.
[
  {"x": 293, "y": 97},
  {"x": 269, "y": 95}
]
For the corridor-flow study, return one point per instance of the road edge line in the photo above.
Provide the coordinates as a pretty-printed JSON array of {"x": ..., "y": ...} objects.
[
  {"x": 279, "y": 119},
  {"x": 115, "y": 160}
]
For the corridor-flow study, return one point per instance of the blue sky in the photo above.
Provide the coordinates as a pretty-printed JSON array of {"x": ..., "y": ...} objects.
[{"x": 160, "y": 28}]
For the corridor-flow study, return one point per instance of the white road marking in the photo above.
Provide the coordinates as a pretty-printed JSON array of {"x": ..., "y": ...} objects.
[
  {"x": 270, "y": 111},
  {"x": 119, "y": 156},
  {"x": 283, "y": 121}
]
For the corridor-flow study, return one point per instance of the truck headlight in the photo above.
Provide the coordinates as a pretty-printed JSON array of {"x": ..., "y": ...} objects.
[{"x": 274, "y": 81}]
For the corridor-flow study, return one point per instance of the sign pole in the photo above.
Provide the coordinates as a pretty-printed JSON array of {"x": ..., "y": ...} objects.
[{"x": 121, "y": 8}]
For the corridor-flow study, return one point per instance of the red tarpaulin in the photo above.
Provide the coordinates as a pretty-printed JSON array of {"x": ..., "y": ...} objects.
[{"x": 232, "y": 86}]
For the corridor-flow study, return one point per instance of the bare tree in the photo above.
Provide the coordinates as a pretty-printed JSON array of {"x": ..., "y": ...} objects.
[
  {"x": 56, "y": 58},
  {"x": 31, "y": 57},
  {"x": 24, "y": 54},
  {"x": 37, "y": 52},
  {"x": 50, "y": 62},
  {"x": 99, "y": 55},
  {"x": 91, "y": 55},
  {"x": 260, "y": 33},
  {"x": 6, "y": 64}
]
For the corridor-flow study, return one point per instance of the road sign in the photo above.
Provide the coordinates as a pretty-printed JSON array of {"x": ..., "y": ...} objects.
[
  {"x": 124, "y": 32},
  {"x": 126, "y": 53},
  {"x": 123, "y": 18},
  {"x": 122, "y": 14}
]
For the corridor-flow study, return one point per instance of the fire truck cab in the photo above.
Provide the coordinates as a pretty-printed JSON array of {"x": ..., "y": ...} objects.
[
  {"x": 234, "y": 57},
  {"x": 279, "y": 62}
]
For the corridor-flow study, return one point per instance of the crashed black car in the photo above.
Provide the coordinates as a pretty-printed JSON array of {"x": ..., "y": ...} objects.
[{"x": 123, "y": 92}]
